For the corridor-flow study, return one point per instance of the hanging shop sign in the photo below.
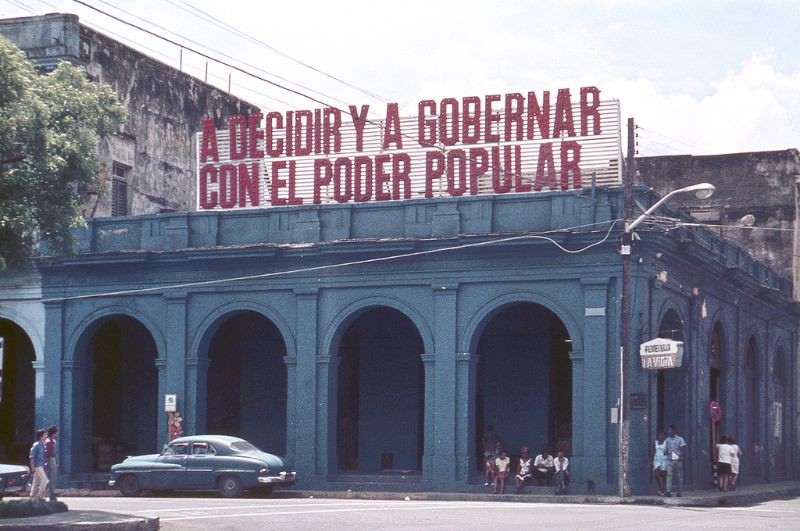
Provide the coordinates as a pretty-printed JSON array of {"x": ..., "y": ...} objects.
[
  {"x": 494, "y": 144},
  {"x": 661, "y": 353}
]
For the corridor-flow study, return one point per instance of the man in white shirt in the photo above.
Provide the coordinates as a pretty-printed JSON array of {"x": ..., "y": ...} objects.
[
  {"x": 543, "y": 468},
  {"x": 676, "y": 454},
  {"x": 562, "y": 472}
]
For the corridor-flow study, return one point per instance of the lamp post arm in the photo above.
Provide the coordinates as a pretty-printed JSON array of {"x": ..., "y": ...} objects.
[{"x": 635, "y": 223}]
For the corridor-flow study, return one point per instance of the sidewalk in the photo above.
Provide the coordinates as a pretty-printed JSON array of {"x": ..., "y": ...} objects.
[{"x": 746, "y": 495}]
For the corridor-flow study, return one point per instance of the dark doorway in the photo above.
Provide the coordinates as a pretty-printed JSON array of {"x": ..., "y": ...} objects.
[
  {"x": 124, "y": 393},
  {"x": 781, "y": 428},
  {"x": 715, "y": 385},
  {"x": 380, "y": 394},
  {"x": 247, "y": 382},
  {"x": 751, "y": 436},
  {"x": 524, "y": 380},
  {"x": 17, "y": 406},
  {"x": 671, "y": 383}
]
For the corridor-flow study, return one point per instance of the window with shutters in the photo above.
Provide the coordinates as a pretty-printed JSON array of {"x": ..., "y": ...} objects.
[{"x": 119, "y": 190}]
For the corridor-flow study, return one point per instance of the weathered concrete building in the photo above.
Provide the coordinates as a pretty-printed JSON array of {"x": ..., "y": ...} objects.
[
  {"x": 755, "y": 191},
  {"x": 150, "y": 165}
]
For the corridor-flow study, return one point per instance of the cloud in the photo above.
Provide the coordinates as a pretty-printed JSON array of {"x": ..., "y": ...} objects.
[{"x": 751, "y": 108}]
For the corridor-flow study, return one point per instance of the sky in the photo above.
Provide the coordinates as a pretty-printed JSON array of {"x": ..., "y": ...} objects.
[{"x": 698, "y": 78}]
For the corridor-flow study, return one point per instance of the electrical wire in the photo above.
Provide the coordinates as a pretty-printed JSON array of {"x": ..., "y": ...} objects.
[
  {"x": 224, "y": 25},
  {"x": 540, "y": 235},
  {"x": 667, "y": 137},
  {"x": 21, "y": 5},
  {"x": 223, "y": 54}
]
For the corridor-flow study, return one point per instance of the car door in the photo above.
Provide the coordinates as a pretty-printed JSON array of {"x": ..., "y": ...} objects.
[
  {"x": 200, "y": 466},
  {"x": 171, "y": 472}
]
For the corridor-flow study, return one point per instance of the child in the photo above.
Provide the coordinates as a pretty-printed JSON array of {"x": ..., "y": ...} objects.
[{"x": 502, "y": 465}]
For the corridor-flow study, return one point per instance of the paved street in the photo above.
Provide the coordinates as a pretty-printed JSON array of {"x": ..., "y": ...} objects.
[{"x": 217, "y": 513}]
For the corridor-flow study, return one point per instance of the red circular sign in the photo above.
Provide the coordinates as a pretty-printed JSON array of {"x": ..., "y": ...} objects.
[{"x": 715, "y": 411}]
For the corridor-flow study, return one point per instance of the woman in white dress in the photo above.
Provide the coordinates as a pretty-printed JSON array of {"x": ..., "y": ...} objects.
[{"x": 736, "y": 453}]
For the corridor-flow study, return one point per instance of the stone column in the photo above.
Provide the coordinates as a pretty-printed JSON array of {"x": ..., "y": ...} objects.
[
  {"x": 291, "y": 407},
  {"x": 325, "y": 436},
  {"x": 48, "y": 384},
  {"x": 578, "y": 460},
  {"x": 171, "y": 365},
  {"x": 161, "y": 419},
  {"x": 77, "y": 426},
  {"x": 429, "y": 421},
  {"x": 444, "y": 431},
  {"x": 196, "y": 395},
  {"x": 466, "y": 382},
  {"x": 306, "y": 445},
  {"x": 591, "y": 404}
]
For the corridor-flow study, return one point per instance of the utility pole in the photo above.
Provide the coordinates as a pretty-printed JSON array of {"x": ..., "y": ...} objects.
[{"x": 625, "y": 319}]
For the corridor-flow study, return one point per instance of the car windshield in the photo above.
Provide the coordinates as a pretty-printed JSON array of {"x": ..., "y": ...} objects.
[
  {"x": 243, "y": 446},
  {"x": 176, "y": 449}
]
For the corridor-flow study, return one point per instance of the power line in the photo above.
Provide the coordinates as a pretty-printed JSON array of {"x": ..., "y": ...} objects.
[
  {"x": 207, "y": 56},
  {"x": 219, "y": 23},
  {"x": 537, "y": 235},
  {"x": 223, "y": 54},
  {"x": 667, "y": 137},
  {"x": 21, "y": 5}
]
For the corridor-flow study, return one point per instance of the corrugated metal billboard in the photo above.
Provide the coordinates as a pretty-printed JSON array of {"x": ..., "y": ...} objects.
[{"x": 495, "y": 144}]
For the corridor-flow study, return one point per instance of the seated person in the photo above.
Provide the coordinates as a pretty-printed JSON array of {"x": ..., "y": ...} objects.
[
  {"x": 524, "y": 469},
  {"x": 490, "y": 468},
  {"x": 502, "y": 466},
  {"x": 562, "y": 473},
  {"x": 544, "y": 470}
]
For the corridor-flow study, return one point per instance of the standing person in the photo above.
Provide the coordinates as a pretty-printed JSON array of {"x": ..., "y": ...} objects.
[
  {"x": 491, "y": 445},
  {"x": 524, "y": 469},
  {"x": 36, "y": 463},
  {"x": 51, "y": 461},
  {"x": 562, "y": 472},
  {"x": 660, "y": 463},
  {"x": 736, "y": 453},
  {"x": 724, "y": 456},
  {"x": 676, "y": 454},
  {"x": 502, "y": 464}
]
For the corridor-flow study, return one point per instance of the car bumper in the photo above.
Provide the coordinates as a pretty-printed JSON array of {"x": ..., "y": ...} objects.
[{"x": 284, "y": 478}]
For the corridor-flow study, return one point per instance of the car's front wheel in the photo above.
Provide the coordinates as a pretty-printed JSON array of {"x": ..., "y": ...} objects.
[
  {"x": 230, "y": 486},
  {"x": 129, "y": 485}
]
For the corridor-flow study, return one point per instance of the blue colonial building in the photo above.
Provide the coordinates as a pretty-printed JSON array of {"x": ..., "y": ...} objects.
[{"x": 382, "y": 338}]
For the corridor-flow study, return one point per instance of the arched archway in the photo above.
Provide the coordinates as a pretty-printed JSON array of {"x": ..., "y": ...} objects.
[
  {"x": 751, "y": 439},
  {"x": 716, "y": 382},
  {"x": 246, "y": 380},
  {"x": 115, "y": 385},
  {"x": 781, "y": 407},
  {"x": 671, "y": 383},
  {"x": 17, "y": 387},
  {"x": 379, "y": 393},
  {"x": 524, "y": 379}
]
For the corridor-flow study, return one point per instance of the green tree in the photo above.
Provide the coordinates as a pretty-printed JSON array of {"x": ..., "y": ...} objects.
[{"x": 49, "y": 127}]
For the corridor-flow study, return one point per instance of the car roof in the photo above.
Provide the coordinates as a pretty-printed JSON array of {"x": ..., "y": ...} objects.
[{"x": 220, "y": 439}]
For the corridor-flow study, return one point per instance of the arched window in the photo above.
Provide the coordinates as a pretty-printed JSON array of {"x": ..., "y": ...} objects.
[
  {"x": 715, "y": 360},
  {"x": 670, "y": 383},
  {"x": 751, "y": 439}
]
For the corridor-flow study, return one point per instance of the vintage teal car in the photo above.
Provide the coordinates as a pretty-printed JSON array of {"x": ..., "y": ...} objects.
[{"x": 202, "y": 462}]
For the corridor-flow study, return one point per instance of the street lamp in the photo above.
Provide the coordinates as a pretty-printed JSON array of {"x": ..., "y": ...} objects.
[{"x": 702, "y": 191}]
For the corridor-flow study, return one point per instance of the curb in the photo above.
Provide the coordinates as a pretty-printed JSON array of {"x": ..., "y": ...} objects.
[{"x": 76, "y": 520}]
